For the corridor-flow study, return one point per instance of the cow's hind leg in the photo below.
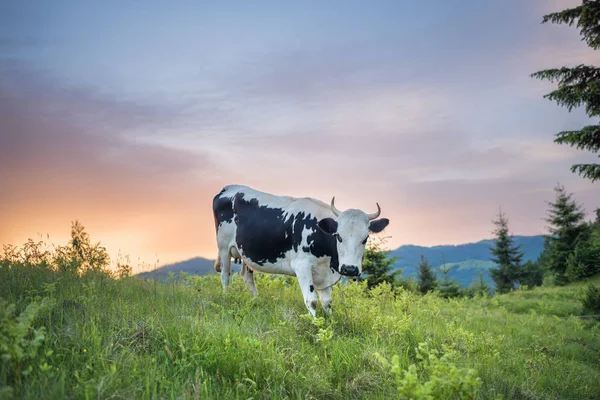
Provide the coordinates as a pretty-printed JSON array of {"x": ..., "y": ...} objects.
[
  {"x": 325, "y": 296},
  {"x": 248, "y": 276},
  {"x": 218, "y": 264},
  {"x": 304, "y": 274},
  {"x": 225, "y": 258}
]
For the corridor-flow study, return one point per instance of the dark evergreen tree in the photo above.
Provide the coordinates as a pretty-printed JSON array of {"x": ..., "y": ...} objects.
[
  {"x": 584, "y": 260},
  {"x": 566, "y": 221},
  {"x": 447, "y": 288},
  {"x": 506, "y": 255},
  {"x": 426, "y": 279},
  {"x": 377, "y": 264},
  {"x": 531, "y": 274},
  {"x": 580, "y": 85}
]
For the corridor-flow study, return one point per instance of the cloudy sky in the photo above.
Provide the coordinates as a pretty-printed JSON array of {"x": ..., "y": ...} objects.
[{"x": 130, "y": 116}]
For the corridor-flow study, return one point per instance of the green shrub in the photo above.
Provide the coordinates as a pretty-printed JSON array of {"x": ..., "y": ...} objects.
[
  {"x": 20, "y": 341},
  {"x": 591, "y": 300},
  {"x": 433, "y": 377}
]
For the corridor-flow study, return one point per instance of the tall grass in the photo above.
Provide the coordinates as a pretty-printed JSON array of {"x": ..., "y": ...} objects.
[{"x": 88, "y": 335}]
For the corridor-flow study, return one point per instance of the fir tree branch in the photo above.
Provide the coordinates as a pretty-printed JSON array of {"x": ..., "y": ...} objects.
[
  {"x": 577, "y": 86},
  {"x": 580, "y": 74},
  {"x": 587, "y": 16},
  {"x": 588, "y": 138},
  {"x": 588, "y": 171}
]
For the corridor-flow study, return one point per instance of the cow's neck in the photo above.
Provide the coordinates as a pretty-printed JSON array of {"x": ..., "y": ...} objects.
[{"x": 325, "y": 245}]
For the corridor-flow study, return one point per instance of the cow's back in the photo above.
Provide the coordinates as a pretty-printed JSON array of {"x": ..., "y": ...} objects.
[{"x": 268, "y": 228}]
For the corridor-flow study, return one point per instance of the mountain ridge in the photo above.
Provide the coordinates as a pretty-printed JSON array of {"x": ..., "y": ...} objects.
[{"x": 465, "y": 259}]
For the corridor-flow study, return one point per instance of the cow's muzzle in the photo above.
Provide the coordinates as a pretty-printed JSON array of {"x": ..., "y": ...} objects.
[{"x": 349, "y": 270}]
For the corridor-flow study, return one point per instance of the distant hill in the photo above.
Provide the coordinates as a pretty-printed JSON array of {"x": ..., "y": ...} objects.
[
  {"x": 194, "y": 266},
  {"x": 465, "y": 259}
]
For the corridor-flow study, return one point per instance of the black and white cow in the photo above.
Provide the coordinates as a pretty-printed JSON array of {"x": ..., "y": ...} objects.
[{"x": 301, "y": 237}]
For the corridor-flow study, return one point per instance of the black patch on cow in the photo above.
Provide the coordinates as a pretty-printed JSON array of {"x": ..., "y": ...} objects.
[
  {"x": 312, "y": 288},
  {"x": 378, "y": 225},
  {"x": 265, "y": 234},
  {"x": 328, "y": 225},
  {"x": 222, "y": 209}
]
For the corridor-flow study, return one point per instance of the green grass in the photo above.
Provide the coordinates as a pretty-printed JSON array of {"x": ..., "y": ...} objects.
[
  {"x": 556, "y": 300},
  {"x": 130, "y": 338}
]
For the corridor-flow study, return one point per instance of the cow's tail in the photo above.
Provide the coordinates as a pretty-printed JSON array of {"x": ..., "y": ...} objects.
[{"x": 218, "y": 260}]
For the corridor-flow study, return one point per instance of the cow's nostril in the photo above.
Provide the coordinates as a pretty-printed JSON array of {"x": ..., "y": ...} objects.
[{"x": 349, "y": 270}]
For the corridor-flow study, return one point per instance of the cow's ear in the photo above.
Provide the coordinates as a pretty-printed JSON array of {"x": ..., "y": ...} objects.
[
  {"x": 328, "y": 225},
  {"x": 378, "y": 225}
]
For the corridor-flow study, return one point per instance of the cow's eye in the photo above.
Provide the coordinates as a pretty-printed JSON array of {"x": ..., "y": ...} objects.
[
  {"x": 339, "y": 238},
  {"x": 365, "y": 241}
]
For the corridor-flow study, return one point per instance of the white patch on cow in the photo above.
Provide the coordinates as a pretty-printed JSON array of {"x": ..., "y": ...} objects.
[
  {"x": 306, "y": 232},
  {"x": 353, "y": 229}
]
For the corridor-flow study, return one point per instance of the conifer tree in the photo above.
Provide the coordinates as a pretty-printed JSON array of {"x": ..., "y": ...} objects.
[
  {"x": 507, "y": 255},
  {"x": 531, "y": 274},
  {"x": 567, "y": 224},
  {"x": 426, "y": 279},
  {"x": 448, "y": 288},
  {"x": 377, "y": 264},
  {"x": 584, "y": 260},
  {"x": 580, "y": 85}
]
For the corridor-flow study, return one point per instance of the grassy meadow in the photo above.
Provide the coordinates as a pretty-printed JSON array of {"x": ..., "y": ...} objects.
[{"x": 84, "y": 336}]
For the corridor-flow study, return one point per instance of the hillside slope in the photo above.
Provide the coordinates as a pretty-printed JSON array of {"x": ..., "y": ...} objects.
[
  {"x": 136, "y": 338},
  {"x": 193, "y": 266}
]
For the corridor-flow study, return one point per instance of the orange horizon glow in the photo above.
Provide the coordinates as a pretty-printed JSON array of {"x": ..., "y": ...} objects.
[{"x": 429, "y": 111}]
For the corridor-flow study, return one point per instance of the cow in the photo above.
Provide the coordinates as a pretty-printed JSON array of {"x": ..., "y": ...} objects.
[{"x": 301, "y": 237}]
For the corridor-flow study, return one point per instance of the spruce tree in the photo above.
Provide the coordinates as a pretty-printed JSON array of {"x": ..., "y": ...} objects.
[
  {"x": 584, "y": 260},
  {"x": 531, "y": 274},
  {"x": 507, "y": 255},
  {"x": 566, "y": 220},
  {"x": 377, "y": 264},
  {"x": 580, "y": 85},
  {"x": 426, "y": 280},
  {"x": 448, "y": 288}
]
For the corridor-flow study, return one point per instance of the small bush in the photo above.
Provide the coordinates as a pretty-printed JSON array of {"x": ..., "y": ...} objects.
[
  {"x": 433, "y": 377},
  {"x": 20, "y": 341},
  {"x": 591, "y": 300}
]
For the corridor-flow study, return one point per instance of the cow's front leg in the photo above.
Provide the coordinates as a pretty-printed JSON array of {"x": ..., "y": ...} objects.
[
  {"x": 225, "y": 268},
  {"x": 304, "y": 274},
  {"x": 325, "y": 296}
]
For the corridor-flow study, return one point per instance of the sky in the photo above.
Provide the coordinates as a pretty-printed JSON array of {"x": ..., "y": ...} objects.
[{"x": 130, "y": 116}]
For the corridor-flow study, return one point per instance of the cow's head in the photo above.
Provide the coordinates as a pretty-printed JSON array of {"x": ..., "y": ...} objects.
[{"x": 351, "y": 230}]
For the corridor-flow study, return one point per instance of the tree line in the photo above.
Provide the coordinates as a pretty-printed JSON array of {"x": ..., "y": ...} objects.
[
  {"x": 571, "y": 253},
  {"x": 572, "y": 247}
]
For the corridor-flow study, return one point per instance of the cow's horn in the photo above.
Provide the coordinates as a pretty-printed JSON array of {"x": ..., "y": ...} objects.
[
  {"x": 375, "y": 215},
  {"x": 335, "y": 210}
]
